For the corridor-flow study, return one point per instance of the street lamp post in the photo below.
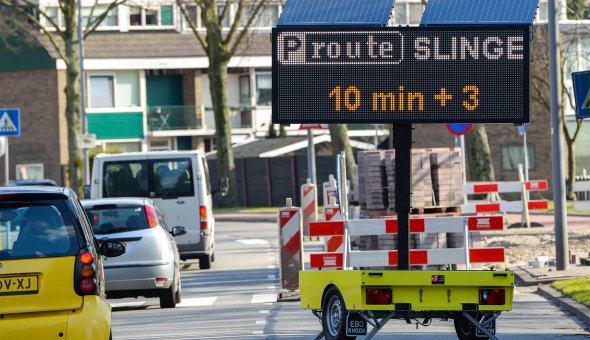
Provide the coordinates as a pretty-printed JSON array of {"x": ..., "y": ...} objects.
[{"x": 82, "y": 92}]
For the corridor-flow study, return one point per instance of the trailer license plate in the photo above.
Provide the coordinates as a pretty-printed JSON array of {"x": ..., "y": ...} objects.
[
  {"x": 355, "y": 325},
  {"x": 490, "y": 327}
]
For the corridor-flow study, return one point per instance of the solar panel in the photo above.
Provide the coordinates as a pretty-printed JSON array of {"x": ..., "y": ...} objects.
[
  {"x": 336, "y": 12},
  {"x": 479, "y": 12}
]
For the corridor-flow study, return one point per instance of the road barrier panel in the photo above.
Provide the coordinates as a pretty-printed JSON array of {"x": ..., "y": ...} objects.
[
  {"x": 582, "y": 190},
  {"x": 366, "y": 258},
  {"x": 333, "y": 243},
  {"x": 309, "y": 205},
  {"x": 329, "y": 190},
  {"x": 291, "y": 245}
]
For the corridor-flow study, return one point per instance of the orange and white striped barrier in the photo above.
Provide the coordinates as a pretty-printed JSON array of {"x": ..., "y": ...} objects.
[
  {"x": 291, "y": 245},
  {"x": 333, "y": 243},
  {"x": 309, "y": 205},
  {"x": 417, "y": 225},
  {"x": 474, "y": 188}
]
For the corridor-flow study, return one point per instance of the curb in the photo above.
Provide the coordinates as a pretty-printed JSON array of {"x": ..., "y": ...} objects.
[
  {"x": 527, "y": 279},
  {"x": 246, "y": 218},
  {"x": 580, "y": 311}
]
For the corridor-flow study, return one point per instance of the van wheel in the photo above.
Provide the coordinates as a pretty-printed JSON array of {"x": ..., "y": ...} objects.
[
  {"x": 334, "y": 315},
  {"x": 205, "y": 262}
]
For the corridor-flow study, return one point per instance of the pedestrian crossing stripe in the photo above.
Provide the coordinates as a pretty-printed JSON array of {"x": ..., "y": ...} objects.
[{"x": 6, "y": 124}]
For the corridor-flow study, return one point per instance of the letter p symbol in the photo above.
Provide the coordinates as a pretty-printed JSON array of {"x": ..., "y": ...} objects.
[{"x": 290, "y": 44}]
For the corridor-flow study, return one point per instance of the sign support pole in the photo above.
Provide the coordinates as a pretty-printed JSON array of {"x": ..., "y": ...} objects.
[
  {"x": 311, "y": 158},
  {"x": 561, "y": 241},
  {"x": 402, "y": 139},
  {"x": 6, "y": 166},
  {"x": 463, "y": 164}
]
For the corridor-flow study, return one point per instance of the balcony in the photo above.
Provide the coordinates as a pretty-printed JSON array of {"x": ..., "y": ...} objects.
[
  {"x": 178, "y": 117},
  {"x": 190, "y": 117}
]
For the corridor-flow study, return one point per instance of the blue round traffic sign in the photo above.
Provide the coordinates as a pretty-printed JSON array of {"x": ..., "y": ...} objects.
[{"x": 459, "y": 129}]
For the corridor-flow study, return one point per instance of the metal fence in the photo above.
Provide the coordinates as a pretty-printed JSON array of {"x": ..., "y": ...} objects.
[{"x": 176, "y": 117}]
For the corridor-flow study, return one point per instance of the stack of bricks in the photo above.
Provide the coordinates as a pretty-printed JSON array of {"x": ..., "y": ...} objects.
[
  {"x": 447, "y": 177},
  {"x": 372, "y": 179},
  {"x": 421, "y": 186}
]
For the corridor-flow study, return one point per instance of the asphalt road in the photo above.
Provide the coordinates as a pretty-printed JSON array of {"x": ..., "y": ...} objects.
[{"x": 237, "y": 299}]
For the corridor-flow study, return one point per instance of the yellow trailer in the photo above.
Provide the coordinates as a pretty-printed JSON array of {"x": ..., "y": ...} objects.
[{"x": 348, "y": 301}]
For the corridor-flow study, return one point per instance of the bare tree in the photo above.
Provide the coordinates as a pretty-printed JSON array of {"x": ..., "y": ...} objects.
[
  {"x": 570, "y": 59},
  {"x": 220, "y": 46},
  {"x": 63, "y": 37}
]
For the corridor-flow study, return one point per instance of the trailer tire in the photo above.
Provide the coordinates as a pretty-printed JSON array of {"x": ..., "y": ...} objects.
[
  {"x": 465, "y": 329},
  {"x": 334, "y": 315}
]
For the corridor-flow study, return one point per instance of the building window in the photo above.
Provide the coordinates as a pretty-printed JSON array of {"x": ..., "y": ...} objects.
[
  {"x": 245, "y": 90},
  {"x": 102, "y": 91},
  {"x": 267, "y": 16},
  {"x": 264, "y": 89},
  {"x": 30, "y": 171},
  {"x": 225, "y": 22},
  {"x": 578, "y": 10},
  {"x": 153, "y": 16},
  {"x": 408, "y": 12},
  {"x": 109, "y": 21},
  {"x": 512, "y": 155},
  {"x": 55, "y": 15}
]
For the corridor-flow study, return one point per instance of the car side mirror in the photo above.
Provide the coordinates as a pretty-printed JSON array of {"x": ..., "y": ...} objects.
[
  {"x": 112, "y": 249},
  {"x": 178, "y": 231},
  {"x": 223, "y": 186}
]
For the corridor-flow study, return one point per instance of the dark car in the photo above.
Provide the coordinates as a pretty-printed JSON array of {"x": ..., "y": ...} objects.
[{"x": 33, "y": 182}]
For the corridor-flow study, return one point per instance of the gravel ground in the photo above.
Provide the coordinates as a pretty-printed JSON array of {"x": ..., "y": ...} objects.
[{"x": 524, "y": 244}]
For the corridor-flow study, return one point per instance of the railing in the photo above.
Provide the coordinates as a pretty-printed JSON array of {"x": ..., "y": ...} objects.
[
  {"x": 177, "y": 117},
  {"x": 240, "y": 117}
]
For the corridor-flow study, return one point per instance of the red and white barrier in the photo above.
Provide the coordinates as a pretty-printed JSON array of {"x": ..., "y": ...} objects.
[
  {"x": 472, "y": 188},
  {"x": 334, "y": 243},
  {"x": 309, "y": 205},
  {"x": 417, "y": 257},
  {"x": 503, "y": 207},
  {"x": 582, "y": 186},
  {"x": 329, "y": 190},
  {"x": 291, "y": 245}
]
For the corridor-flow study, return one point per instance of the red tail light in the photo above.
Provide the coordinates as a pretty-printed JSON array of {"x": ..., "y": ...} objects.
[
  {"x": 379, "y": 296},
  {"x": 492, "y": 296},
  {"x": 87, "y": 285},
  {"x": 85, "y": 274},
  {"x": 150, "y": 213},
  {"x": 203, "y": 215}
]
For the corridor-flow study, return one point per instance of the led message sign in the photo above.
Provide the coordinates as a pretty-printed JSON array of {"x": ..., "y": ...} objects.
[{"x": 401, "y": 75}]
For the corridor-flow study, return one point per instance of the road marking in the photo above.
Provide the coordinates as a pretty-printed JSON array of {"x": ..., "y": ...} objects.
[
  {"x": 263, "y": 298},
  {"x": 261, "y": 322},
  {"x": 263, "y": 311},
  {"x": 252, "y": 241},
  {"x": 197, "y": 302},
  {"x": 257, "y": 332},
  {"x": 128, "y": 304}
]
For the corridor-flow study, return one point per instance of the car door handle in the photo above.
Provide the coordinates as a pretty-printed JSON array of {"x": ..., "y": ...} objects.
[{"x": 180, "y": 202}]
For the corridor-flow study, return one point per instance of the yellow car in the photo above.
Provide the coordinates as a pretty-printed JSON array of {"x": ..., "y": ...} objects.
[{"x": 51, "y": 276}]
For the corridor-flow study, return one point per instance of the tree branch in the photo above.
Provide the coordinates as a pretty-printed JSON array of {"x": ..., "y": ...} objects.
[
  {"x": 101, "y": 17},
  {"x": 233, "y": 43},
  {"x": 193, "y": 25}
]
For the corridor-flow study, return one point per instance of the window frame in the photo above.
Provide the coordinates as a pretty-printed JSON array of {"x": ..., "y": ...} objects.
[
  {"x": 89, "y": 104},
  {"x": 257, "y": 94},
  {"x": 158, "y": 26},
  {"x": 530, "y": 155}
]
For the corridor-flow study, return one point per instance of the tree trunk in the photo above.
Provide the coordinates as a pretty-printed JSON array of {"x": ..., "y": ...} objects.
[
  {"x": 340, "y": 142},
  {"x": 478, "y": 153},
  {"x": 72, "y": 106},
  {"x": 571, "y": 171},
  {"x": 225, "y": 156}
]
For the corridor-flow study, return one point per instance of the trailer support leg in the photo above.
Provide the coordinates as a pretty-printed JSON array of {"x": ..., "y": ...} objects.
[
  {"x": 480, "y": 326},
  {"x": 378, "y": 326}
]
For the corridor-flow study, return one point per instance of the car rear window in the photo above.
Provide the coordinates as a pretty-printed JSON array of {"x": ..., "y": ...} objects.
[
  {"x": 109, "y": 219},
  {"x": 36, "y": 229}
]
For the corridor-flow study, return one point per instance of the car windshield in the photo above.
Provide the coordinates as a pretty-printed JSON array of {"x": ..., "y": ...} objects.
[
  {"x": 109, "y": 219},
  {"x": 33, "y": 230}
]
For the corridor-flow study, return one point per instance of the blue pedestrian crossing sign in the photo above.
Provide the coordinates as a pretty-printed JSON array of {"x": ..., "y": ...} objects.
[
  {"x": 10, "y": 122},
  {"x": 582, "y": 93}
]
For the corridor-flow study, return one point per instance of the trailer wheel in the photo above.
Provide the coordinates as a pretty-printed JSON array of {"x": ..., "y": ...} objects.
[
  {"x": 465, "y": 329},
  {"x": 334, "y": 315}
]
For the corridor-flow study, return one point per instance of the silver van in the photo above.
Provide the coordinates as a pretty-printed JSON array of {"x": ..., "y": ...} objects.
[{"x": 178, "y": 183}]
